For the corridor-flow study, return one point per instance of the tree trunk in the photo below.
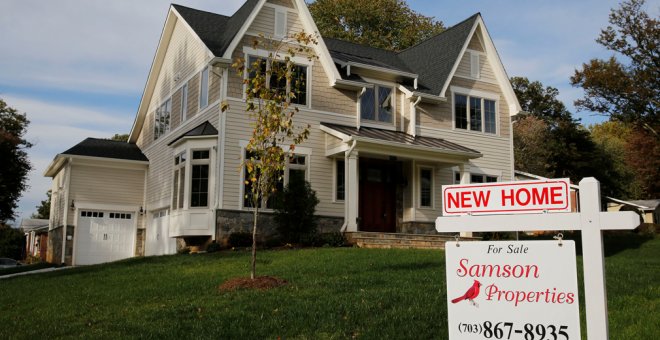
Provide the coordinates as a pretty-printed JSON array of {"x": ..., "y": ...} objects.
[{"x": 254, "y": 243}]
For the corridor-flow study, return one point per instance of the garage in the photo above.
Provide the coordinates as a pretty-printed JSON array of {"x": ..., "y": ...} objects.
[
  {"x": 158, "y": 241},
  {"x": 104, "y": 236}
]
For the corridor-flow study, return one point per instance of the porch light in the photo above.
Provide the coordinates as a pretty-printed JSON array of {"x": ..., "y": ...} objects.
[
  {"x": 141, "y": 210},
  {"x": 73, "y": 205}
]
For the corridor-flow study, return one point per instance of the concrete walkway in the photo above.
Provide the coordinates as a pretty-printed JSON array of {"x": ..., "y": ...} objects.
[{"x": 45, "y": 270}]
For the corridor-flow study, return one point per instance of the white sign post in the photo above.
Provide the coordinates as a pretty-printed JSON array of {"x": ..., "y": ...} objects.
[
  {"x": 590, "y": 221},
  {"x": 512, "y": 290}
]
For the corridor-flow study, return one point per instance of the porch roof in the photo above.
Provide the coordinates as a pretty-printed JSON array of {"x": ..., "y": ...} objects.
[{"x": 399, "y": 139}]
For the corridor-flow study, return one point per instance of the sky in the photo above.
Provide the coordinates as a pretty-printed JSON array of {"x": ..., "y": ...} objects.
[{"x": 77, "y": 68}]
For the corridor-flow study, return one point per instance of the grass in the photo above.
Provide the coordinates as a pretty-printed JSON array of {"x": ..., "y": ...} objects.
[
  {"x": 25, "y": 268},
  {"x": 333, "y": 293}
]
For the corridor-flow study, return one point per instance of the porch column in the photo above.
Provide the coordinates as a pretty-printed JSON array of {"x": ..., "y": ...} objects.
[
  {"x": 465, "y": 179},
  {"x": 352, "y": 187}
]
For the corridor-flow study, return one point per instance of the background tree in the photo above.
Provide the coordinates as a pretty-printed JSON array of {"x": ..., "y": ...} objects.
[
  {"x": 625, "y": 88},
  {"x": 270, "y": 89},
  {"x": 12, "y": 242},
  {"x": 388, "y": 24},
  {"x": 15, "y": 164},
  {"x": 120, "y": 137},
  {"x": 540, "y": 101},
  {"x": 43, "y": 209}
]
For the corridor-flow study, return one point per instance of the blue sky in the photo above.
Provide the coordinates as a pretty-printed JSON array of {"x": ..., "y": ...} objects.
[{"x": 78, "y": 68}]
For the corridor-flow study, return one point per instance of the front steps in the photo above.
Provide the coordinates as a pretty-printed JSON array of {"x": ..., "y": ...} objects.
[{"x": 401, "y": 241}]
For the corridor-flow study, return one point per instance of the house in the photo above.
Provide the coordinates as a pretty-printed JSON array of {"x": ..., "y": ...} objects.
[
  {"x": 36, "y": 237},
  {"x": 648, "y": 210},
  {"x": 387, "y": 130}
]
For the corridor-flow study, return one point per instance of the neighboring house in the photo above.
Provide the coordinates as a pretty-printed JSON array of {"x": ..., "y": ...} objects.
[
  {"x": 387, "y": 129},
  {"x": 648, "y": 210},
  {"x": 36, "y": 237}
]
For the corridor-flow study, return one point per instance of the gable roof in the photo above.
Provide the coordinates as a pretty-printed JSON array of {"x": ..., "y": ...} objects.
[
  {"x": 204, "y": 129},
  {"x": 216, "y": 30},
  {"x": 105, "y": 148}
]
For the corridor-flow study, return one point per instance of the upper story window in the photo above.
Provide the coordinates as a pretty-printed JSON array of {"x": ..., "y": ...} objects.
[
  {"x": 184, "y": 102},
  {"x": 204, "y": 88},
  {"x": 376, "y": 104},
  {"x": 295, "y": 88},
  {"x": 162, "y": 119},
  {"x": 475, "y": 114}
]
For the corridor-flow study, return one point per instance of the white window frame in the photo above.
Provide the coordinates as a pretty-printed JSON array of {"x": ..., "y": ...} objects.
[
  {"x": 280, "y": 32},
  {"x": 301, "y": 151},
  {"x": 300, "y": 61},
  {"x": 157, "y": 115},
  {"x": 376, "y": 122},
  {"x": 482, "y": 95},
  {"x": 420, "y": 168},
  {"x": 192, "y": 162},
  {"x": 184, "y": 102},
  {"x": 180, "y": 202},
  {"x": 186, "y": 148},
  {"x": 498, "y": 177},
  {"x": 204, "y": 90}
]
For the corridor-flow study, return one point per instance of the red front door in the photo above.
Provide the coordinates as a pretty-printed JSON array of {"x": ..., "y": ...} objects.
[{"x": 377, "y": 203}]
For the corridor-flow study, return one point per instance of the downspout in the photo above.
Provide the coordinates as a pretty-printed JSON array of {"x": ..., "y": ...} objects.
[
  {"x": 346, "y": 203},
  {"x": 413, "y": 117},
  {"x": 358, "y": 114}
]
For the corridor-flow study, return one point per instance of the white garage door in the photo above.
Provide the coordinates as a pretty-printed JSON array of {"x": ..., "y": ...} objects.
[
  {"x": 158, "y": 240},
  {"x": 104, "y": 236}
]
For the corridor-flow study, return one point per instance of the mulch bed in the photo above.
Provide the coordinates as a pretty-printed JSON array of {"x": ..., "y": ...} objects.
[{"x": 259, "y": 282}]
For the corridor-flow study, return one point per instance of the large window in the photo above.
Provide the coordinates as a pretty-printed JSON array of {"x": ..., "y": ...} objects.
[
  {"x": 199, "y": 179},
  {"x": 376, "y": 104},
  {"x": 295, "y": 88},
  {"x": 425, "y": 187},
  {"x": 295, "y": 170},
  {"x": 162, "y": 119},
  {"x": 474, "y": 114},
  {"x": 204, "y": 88}
]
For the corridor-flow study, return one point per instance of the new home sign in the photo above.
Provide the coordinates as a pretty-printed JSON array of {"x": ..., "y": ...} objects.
[{"x": 512, "y": 290}]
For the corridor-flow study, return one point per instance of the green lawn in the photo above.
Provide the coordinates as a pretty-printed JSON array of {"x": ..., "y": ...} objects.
[{"x": 333, "y": 293}]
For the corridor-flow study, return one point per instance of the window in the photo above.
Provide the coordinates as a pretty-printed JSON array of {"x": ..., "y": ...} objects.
[
  {"x": 425, "y": 187},
  {"x": 184, "y": 102},
  {"x": 204, "y": 88},
  {"x": 475, "y": 178},
  {"x": 295, "y": 170},
  {"x": 199, "y": 181},
  {"x": 474, "y": 65},
  {"x": 179, "y": 178},
  {"x": 162, "y": 119},
  {"x": 340, "y": 180},
  {"x": 474, "y": 114},
  {"x": 280, "y": 23},
  {"x": 376, "y": 104},
  {"x": 296, "y": 87}
]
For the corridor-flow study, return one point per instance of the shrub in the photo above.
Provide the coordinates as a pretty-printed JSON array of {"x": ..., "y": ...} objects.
[
  {"x": 295, "y": 218},
  {"x": 240, "y": 239},
  {"x": 334, "y": 239},
  {"x": 213, "y": 247},
  {"x": 12, "y": 242}
]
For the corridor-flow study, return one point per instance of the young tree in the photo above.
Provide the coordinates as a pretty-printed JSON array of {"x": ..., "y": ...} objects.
[
  {"x": 120, "y": 137},
  {"x": 271, "y": 88},
  {"x": 15, "y": 164},
  {"x": 388, "y": 24},
  {"x": 628, "y": 88},
  {"x": 43, "y": 209}
]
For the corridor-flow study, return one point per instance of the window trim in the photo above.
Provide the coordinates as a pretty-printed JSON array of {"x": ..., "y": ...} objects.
[
  {"x": 420, "y": 168},
  {"x": 483, "y": 96},
  {"x": 184, "y": 102},
  {"x": 193, "y": 162},
  {"x": 376, "y": 122},
  {"x": 335, "y": 182}
]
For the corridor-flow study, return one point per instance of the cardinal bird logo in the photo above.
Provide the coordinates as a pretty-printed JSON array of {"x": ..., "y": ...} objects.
[{"x": 470, "y": 295}]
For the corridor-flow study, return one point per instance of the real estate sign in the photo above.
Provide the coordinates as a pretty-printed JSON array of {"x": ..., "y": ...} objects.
[
  {"x": 512, "y": 290},
  {"x": 506, "y": 197}
]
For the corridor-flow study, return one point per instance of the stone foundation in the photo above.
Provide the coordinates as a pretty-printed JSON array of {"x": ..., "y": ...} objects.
[
  {"x": 54, "y": 253},
  {"x": 239, "y": 221},
  {"x": 426, "y": 228},
  {"x": 139, "y": 241},
  {"x": 68, "y": 254}
]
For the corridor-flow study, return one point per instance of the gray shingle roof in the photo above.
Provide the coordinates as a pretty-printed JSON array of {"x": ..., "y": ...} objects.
[
  {"x": 105, "y": 148},
  {"x": 352, "y": 52},
  {"x": 204, "y": 129},
  {"x": 402, "y": 138},
  {"x": 216, "y": 30}
]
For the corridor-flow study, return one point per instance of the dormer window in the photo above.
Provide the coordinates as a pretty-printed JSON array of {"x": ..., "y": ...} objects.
[{"x": 376, "y": 104}]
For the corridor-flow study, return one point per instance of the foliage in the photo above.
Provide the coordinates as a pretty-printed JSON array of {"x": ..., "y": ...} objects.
[
  {"x": 270, "y": 89},
  {"x": 120, "y": 137},
  {"x": 43, "y": 209},
  {"x": 12, "y": 242},
  {"x": 15, "y": 164},
  {"x": 643, "y": 156},
  {"x": 240, "y": 239},
  {"x": 627, "y": 88},
  {"x": 295, "y": 217},
  {"x": 387, "y": 24},
  {"x": 362, "y": 293},
  {"x": 333, "y": 239},
  {"x": 213, "y": 247},
  {"x": 613, "y": 138},
  {"x": 539, "y": 101}
]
